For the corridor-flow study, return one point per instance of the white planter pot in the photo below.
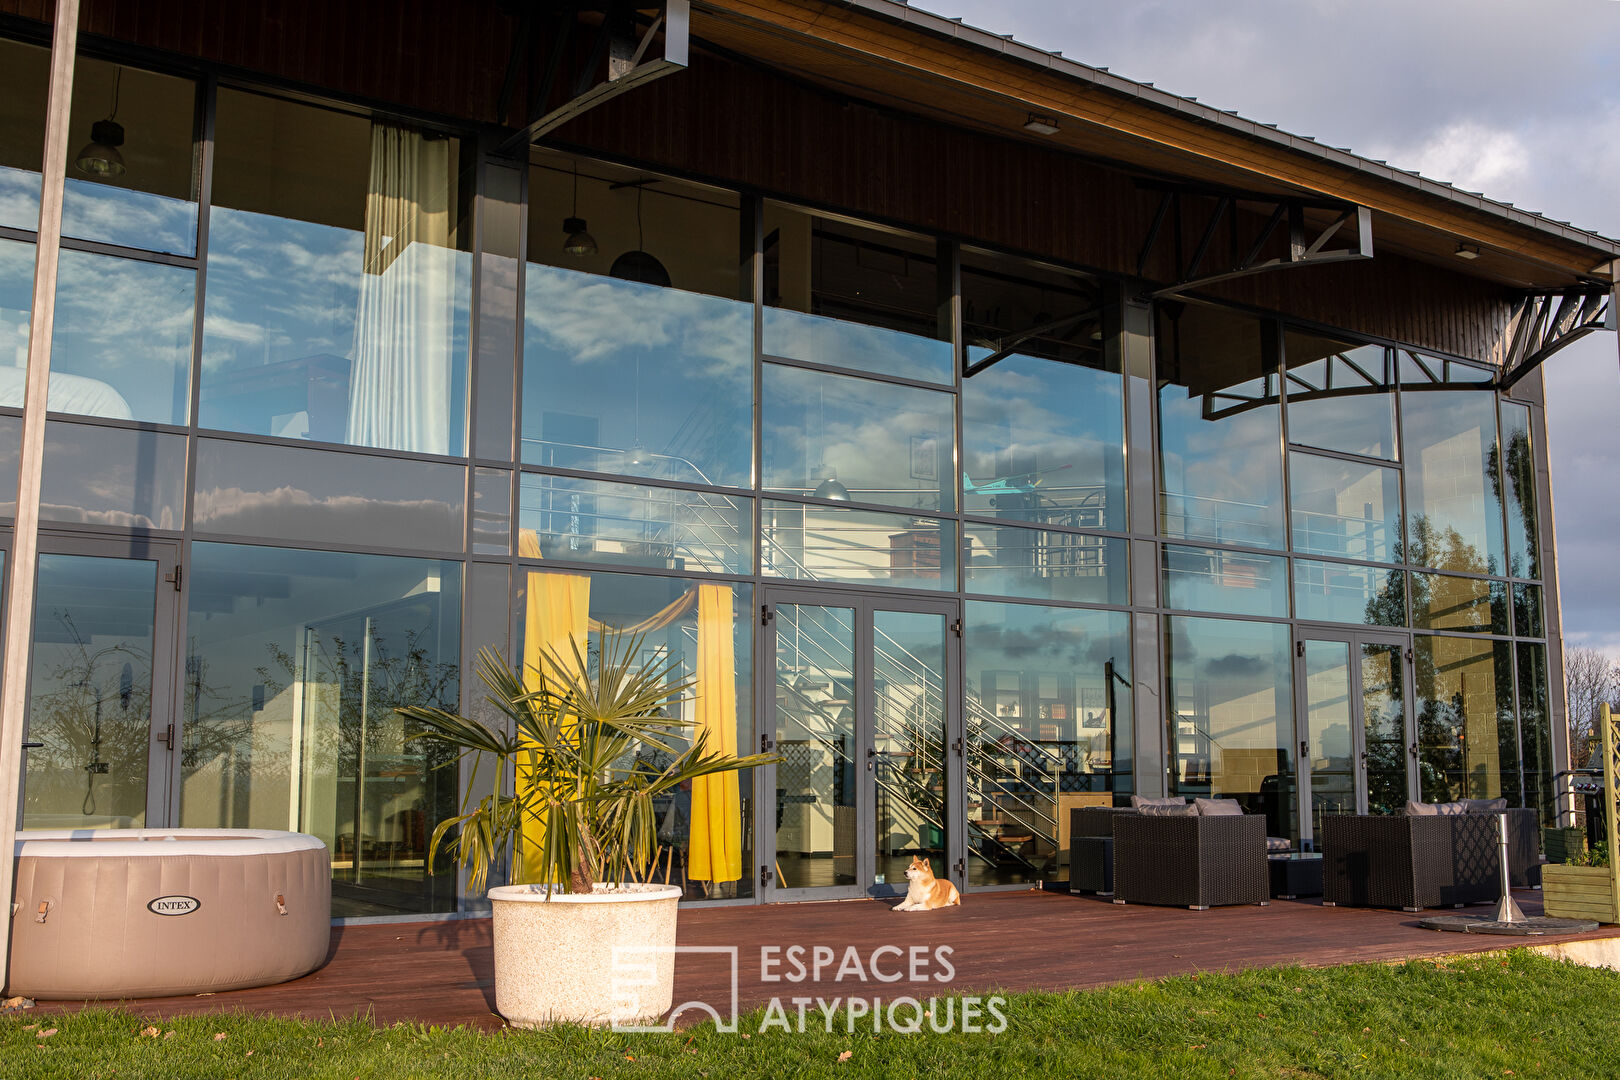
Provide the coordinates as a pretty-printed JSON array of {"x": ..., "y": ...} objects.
[{"x": 594, "y": 958}]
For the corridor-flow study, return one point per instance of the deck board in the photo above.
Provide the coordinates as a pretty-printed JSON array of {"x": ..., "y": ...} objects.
[{"x": 442, "y": 972}]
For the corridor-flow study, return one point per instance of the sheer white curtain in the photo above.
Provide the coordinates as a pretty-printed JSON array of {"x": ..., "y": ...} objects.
[{"x": 400, "y": 383}]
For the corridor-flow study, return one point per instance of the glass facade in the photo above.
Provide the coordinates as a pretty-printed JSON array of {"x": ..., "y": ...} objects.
[{"x": 388, "y": 399}]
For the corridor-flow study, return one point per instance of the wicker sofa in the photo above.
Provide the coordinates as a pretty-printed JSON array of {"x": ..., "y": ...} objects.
[{"x": 1409, "y": 862}]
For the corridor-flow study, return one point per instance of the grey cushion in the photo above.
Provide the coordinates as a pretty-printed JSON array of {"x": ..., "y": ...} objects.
[
  {"x": 1444, "y": 809},
  {"x": 1140, "y": 801},
  {"x": 1485, "y": 806},
  {"x": 1275, "y": 845},
  {"x": 1176, "y": 809},
  {"x": 1218, "y": 807}
]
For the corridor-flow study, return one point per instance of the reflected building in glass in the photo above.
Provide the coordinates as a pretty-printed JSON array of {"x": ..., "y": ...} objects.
[{"x": 977, "y": 495}]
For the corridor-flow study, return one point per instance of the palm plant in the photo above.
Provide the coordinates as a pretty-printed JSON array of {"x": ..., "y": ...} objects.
[{"x": 576, "y": 746}]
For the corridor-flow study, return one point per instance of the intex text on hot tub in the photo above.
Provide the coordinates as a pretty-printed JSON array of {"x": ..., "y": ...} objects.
[{"x": 112, "y": 913}]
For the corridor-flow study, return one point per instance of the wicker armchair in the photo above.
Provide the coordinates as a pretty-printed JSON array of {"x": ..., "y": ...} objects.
[
  {"x": 1409, "y": 863},
  {"x": 1194, "y": 862}
]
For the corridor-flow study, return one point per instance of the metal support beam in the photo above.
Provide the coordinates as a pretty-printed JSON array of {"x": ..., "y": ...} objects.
[
  {"x": 627, "y": 65},
  {"x": 1351, "y": 225},
  {"x": 1543, "y": 323},
  {"x": 20, "y": 568}
]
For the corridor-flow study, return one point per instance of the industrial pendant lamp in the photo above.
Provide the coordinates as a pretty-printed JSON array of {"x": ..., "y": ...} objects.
[
  {"x": 100, "y": 156},
  {"x": 829, "y": 488},
  {"x": 637, "y": 265},
  {"x": 579, "y": 242}
]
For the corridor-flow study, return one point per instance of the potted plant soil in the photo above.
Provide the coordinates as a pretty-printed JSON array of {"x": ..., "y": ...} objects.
[{"x": 581, "y": 935}]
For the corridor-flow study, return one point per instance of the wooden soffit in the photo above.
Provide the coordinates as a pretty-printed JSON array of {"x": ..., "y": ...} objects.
[{"x": 969, "y": 85}]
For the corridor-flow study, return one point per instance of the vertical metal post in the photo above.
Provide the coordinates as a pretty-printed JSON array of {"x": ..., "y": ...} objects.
[{"x": 25, "y": 543}]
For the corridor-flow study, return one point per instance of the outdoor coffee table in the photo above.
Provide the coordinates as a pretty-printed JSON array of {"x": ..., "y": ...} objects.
[{"x": 1295, "y": 874}]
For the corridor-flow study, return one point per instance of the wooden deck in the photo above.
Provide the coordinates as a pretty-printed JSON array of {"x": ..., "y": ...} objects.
[{"x": 442, "y": 972}]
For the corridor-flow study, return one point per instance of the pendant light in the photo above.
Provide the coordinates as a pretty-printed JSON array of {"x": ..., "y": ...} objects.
[
  {"x": 637, "y": 265},
  {"x": 100, "y": 156},
  {"x": 579, "y": 242},
  {"x": 829, "y": 488}
]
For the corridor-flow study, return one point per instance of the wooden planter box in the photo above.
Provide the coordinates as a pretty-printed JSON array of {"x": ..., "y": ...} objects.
[{"x": 1578, "y": 892}]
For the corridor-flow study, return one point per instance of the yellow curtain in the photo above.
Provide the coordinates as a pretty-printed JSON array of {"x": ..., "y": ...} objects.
[
  {"x": 715, "y": 853},
  {"x": 555, "y": 618}
]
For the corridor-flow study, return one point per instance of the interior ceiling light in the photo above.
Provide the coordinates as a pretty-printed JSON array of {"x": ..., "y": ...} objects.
[
  {"x": 1041, "y": 124},
  {"x": 1467, "y": 251},
  {"x": 638, "y": 265},
  {"x": 100, "y": 156},
  {"x": 830, "y": 488},
  {"x": 579, "y": 242}
]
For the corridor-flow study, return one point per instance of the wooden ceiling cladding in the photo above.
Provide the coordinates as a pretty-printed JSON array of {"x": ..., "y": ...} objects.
[
  {"x": 745, "y": 124},
  {"x": 739, "y": 123}
]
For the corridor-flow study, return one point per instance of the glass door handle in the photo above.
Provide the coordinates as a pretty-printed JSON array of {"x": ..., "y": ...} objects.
[{"x": 1413, "y": 750}]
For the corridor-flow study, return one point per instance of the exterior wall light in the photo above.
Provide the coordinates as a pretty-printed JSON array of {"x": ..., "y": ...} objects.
[
  {"x": 1467, "y": 251},
  {"x": 1041, "y": 124}
]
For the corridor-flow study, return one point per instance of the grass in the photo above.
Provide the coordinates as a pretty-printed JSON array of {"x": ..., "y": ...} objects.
[{"x": 1516, "y": 1014}]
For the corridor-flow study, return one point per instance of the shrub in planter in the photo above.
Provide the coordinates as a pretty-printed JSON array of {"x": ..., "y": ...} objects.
[
  {"x": 580, "y": 826},
  {"x": 1583, "y": 888}
]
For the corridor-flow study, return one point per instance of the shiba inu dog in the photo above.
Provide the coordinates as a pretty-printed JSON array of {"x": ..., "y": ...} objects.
[{"x": 926, "y": 892}]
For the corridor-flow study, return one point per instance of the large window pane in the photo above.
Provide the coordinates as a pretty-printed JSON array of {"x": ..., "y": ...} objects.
[
  {"x": 90, "y": 693},
  {"x": 1454, "y": 508},
  {"x": 16, "y": 309},
  {"x": 852, "y": 297},
  {"x": 637, "y": 354},
  {"x": 1347, "y": 593},
  {"x": 1527, "y": 616},
  {"x": 131, "y": 168},
  {"x": 295, "y": 663},
  {"x": 837, "y": 437},
  {"x": 1444, "y": 602},
  {"x": 1048, "y": 721},
  {"x": 122, "y": 344},
  {"x": 1220, "y": 429},
  {"x": 705, "y": 630},
  {"x": 1535, "y": 731},
  {"x": 1467, "y": 747},
  {"x": 1044, "y": 564},
  {"x": 1231, "y": 715},
  {"x": 1519, "y": 485},
  {"x": 1232, "y": 582},
  {"x": 113, "y": 476},
  {"x": 1344, "y": 508},
  {"x": 338, "y": 279},
  {"x": 1340, "y": 396},
  {"x": 635, "y": 525},
  {"x": 24, "y": 77},
  {"x": 823, "y": 543},
  {"x": 299, "y": 493}
]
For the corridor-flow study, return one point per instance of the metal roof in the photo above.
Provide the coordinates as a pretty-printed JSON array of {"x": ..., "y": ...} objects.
[{"x": 1100, "y": 77}]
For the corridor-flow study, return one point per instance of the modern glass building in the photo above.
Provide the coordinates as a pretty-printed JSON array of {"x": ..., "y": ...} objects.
[{"x": 985, "y": 434}]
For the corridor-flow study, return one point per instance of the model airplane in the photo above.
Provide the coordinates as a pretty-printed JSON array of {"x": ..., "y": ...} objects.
[{"x": 1023, "y": 483}]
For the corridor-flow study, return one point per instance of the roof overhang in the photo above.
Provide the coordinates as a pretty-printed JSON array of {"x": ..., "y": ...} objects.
[{"x": 894, "y": 55}]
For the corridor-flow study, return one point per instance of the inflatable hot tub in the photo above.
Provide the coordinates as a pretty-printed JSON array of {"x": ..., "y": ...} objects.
[{"x": 115, "y": 913}]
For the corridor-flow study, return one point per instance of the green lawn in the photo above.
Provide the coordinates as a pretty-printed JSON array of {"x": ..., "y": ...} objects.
[{"x": 1515, "y": 1014}]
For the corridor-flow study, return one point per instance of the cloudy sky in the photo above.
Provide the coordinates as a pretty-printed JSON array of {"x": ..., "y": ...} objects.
[{"x": 1519, "y": 99}]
